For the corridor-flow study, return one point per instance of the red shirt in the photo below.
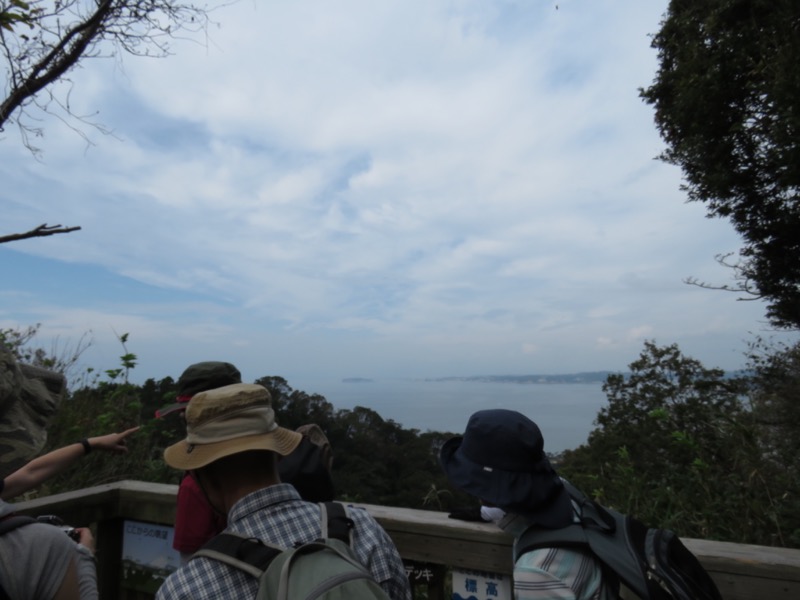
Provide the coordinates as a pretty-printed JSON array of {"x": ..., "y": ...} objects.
[{"x": 195, "y": 520}]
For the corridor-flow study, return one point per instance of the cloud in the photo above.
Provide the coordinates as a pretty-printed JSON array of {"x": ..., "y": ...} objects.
[{"x": 402, "y": 186}]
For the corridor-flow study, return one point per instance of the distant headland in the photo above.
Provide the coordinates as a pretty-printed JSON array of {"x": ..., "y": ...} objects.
[{"x": 588, "y": 377}]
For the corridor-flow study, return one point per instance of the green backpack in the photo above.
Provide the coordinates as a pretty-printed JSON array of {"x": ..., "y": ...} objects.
[{"x": 325, "y": 569}]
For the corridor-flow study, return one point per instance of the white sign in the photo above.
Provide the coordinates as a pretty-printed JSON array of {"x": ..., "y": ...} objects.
[
  {"x": 147, "y": 555},
  {"x": 481, "y": 585}
]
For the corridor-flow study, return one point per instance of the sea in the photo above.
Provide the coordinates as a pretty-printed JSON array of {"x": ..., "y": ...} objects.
[{"x": 565, "y": 412}]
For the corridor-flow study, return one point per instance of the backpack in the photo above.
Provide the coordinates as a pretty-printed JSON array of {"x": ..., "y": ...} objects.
[
  {"x": 653, "y": 563},
  {"x": 326, "y": 568},
  {"x": 308, "y": 467}
]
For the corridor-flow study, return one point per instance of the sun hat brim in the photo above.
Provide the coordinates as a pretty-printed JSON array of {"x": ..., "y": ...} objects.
[
  {"x": 187, "y": 457},
  {"x": 169, "y": 409},
  {"x": 538, "y": 493}
]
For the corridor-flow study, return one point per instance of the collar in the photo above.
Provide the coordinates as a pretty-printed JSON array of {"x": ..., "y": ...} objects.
[{"x": 263, "y": 499}]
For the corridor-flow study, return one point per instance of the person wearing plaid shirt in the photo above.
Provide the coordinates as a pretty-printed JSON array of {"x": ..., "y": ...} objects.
[
  {"x": 500, "y": 459},
  {"x": 231, "y": 447}
]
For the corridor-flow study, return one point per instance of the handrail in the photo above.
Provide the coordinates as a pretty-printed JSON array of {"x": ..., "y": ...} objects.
[{"x": 742, "y": 571}]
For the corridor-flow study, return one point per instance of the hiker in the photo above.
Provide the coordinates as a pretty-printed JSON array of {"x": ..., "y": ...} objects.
[
  {"x": 195, "y": 520},
  {"x": 500, "y": 460},
  {"x": 232, "y": 446},
  {"x": 307, "y": 468},
  {"x": 38, "y": 560}
]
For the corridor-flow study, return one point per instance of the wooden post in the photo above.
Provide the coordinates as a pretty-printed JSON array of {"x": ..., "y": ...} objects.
[{"x": 109, "y": 546}]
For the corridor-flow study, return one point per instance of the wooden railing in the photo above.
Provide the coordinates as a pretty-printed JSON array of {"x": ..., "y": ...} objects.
[{"x": 742, "y": 572}]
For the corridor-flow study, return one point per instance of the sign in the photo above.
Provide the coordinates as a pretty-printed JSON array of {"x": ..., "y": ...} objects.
[
  {"x": 481, "y": 585},
  {"x": 422, "y": 573},
  {"x": 147, "y": 555}
]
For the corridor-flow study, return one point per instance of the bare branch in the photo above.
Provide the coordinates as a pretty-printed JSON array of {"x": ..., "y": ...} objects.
[
  {"x": 42, "y": 49},
  {"x": 741, "y": 276},
  {"x": 42, "y": 230},
  {"x": 57, "y": 62}
]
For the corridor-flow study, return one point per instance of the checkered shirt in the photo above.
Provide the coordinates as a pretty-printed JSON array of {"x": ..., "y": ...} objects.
[{"x": 278, "y": 515}]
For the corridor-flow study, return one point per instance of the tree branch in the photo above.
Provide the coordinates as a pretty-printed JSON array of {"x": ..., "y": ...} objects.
[
  {"x": 61, "y": 58},
  {"x": 41, "y": 231}
]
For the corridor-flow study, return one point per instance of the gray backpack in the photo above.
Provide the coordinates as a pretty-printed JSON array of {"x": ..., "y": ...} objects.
[{"x": 325, "y": 569}]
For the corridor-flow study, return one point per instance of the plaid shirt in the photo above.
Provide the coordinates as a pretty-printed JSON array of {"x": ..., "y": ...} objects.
[
  {"x": 555, "y": 573},
  {"x": 278, "y": 515}
]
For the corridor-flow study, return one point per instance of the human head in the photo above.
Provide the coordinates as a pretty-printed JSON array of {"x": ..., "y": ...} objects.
[
  {"x": 200, "y": 377},
  {"x": 500, "y": 459},
  {"x": 229, "y": 420}
]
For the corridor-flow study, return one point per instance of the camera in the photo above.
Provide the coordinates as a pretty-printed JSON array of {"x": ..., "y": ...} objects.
[{"x": 73, "y": 533}]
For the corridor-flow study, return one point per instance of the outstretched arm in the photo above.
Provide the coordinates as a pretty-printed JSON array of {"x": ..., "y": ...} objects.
[{"x": 42, "y": 468}]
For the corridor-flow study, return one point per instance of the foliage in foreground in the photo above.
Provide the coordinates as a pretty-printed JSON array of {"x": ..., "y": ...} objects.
[
  {"x": 688, "y": 448},
  {"x": 376, "y": 460},
  {"x": 678, "y": 445}
]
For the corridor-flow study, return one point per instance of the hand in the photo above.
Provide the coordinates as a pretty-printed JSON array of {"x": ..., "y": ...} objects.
[
  {"x": 467, "y": 513},
  {"x": 113, "y": 442},
  {"x": 86, "y": 538}
]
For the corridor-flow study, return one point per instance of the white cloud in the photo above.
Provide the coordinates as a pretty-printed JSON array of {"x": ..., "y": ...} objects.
[{"x": 404, "y": 185}]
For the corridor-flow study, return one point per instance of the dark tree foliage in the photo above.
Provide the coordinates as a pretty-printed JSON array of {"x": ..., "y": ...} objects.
[
  {"x": 775, "y": 397},
  {"x": 679, "y": 447},
  {"x": 727, "y": 103},
  {"x": 105, "y": 408},
  {"x": 376, "y": 461}
]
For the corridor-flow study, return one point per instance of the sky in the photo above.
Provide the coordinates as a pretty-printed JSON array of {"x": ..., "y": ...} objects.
[{"x": 371, "y": 189}]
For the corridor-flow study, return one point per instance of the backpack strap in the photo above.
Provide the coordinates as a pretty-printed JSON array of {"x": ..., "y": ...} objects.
[
  {"x": 336, "y": 522},
  {"x": 253, "y": 556},
  {"x": 592, "y": 517},
  {"x": 12, "y": 521},
  {"x": 246, "y": 554},
  {"x": 590, "y": 513}
]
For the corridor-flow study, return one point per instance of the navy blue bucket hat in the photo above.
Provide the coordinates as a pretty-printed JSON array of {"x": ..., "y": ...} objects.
[{"x": 500, "y": 459}]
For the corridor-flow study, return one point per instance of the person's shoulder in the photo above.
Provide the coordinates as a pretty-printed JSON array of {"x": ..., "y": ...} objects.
[
  {"x": 360, "y": 514},
  {"x": 176, "y": 586},
  {"x": 367, "y": 530},
  {"x": 42, "y": 554},
  {"x": 574, "y": 567},
  {"x": 204, "y": 578},
  {"x": 553, "y": 555},
  {"x": 43, "y": 533}
]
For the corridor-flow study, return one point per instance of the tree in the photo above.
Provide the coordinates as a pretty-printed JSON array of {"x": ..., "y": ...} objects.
[
  {"x": 42, "y": 42},
  {"x": 727, "y": 104},
  {"x": 774, "y": 386},
  {"x": 679, "y": 447},
  {"x": 61, "y": 358},
  {"x": 14, "y": 13}
]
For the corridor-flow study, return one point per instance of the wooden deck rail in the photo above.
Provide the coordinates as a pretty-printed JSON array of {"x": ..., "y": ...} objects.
[{"x": 742, "y": 572}]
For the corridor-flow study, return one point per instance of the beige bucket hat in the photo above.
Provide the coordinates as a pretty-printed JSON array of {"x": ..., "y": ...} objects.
[{"x": 229, "y": 420}]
